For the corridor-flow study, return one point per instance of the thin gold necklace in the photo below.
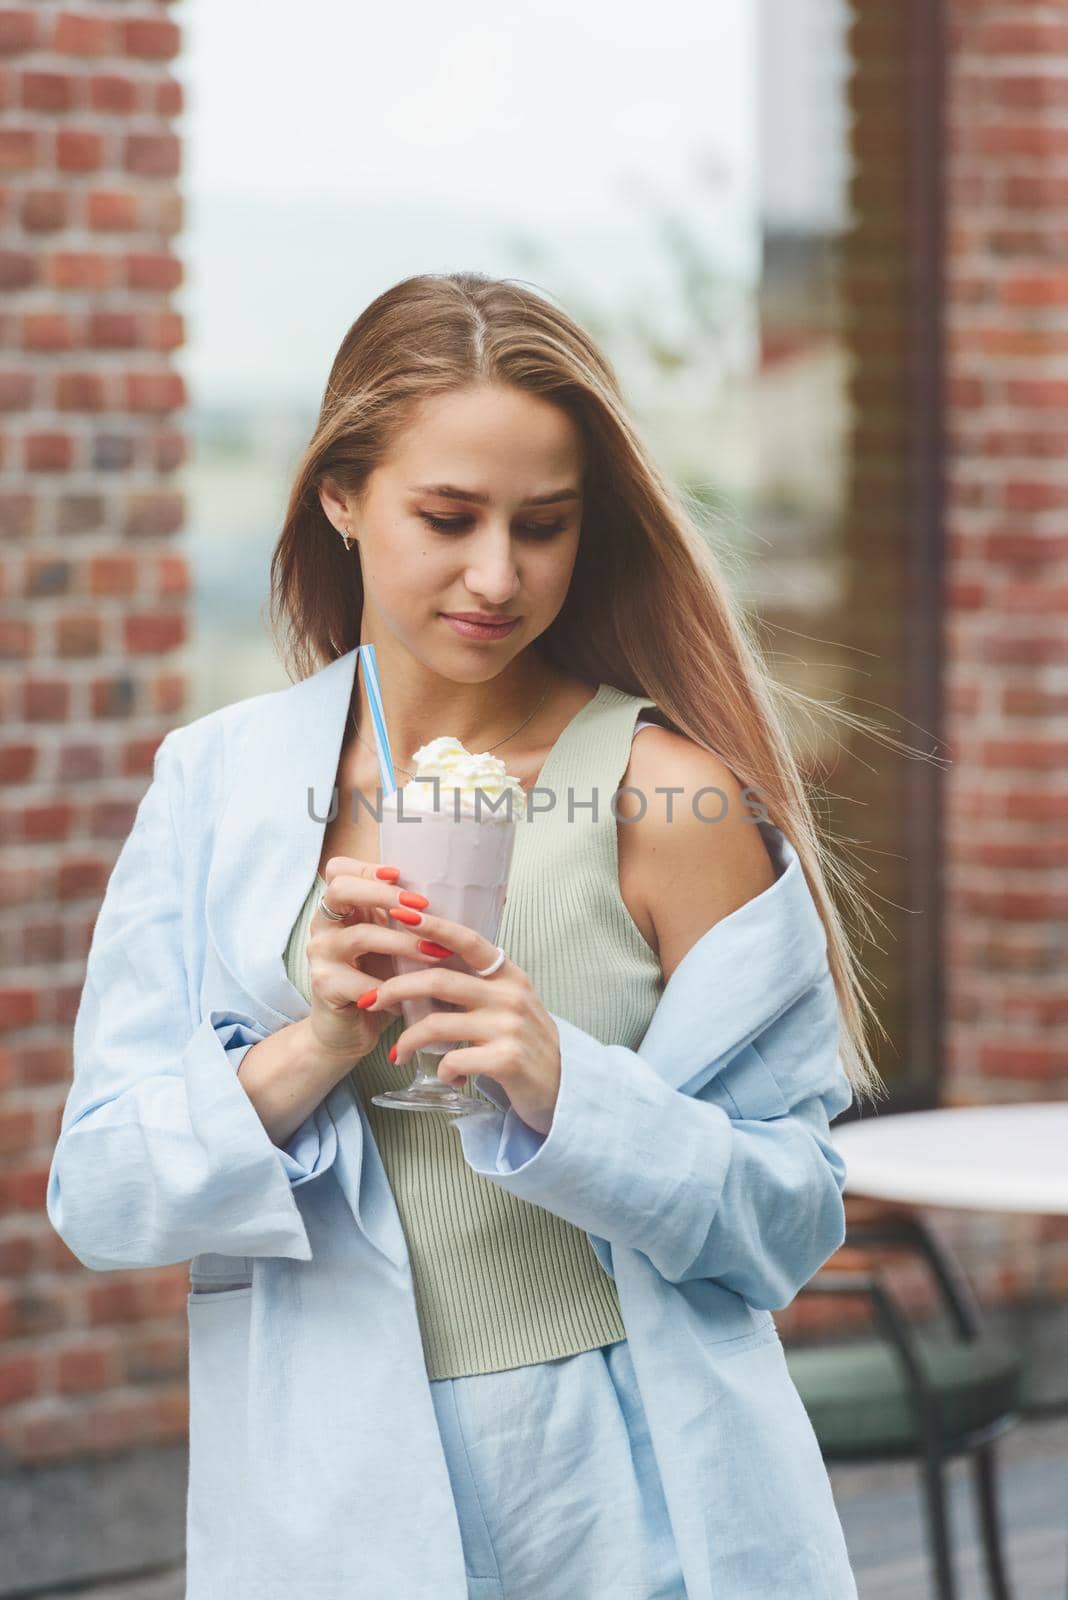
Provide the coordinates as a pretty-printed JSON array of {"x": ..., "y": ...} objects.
[{"x": 496, "y": 746}]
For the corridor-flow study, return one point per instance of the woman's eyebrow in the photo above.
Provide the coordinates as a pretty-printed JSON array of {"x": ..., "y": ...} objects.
[{"x": 451, "y": 493}]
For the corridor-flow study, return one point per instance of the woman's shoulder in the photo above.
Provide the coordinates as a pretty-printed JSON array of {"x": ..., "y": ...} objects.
[
  {"x": 680, "y": 759},
  {"x": 697, "y": 850}
]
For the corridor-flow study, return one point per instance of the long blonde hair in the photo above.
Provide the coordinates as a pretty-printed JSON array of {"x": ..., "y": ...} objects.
[{"x": 645, "y": 578}]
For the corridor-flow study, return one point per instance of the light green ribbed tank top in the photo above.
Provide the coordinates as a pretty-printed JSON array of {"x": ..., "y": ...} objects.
[{"x": 500, "y": 1282}]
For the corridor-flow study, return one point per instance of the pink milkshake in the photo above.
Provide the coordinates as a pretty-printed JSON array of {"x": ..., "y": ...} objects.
[{"x": 453, "y": 841}]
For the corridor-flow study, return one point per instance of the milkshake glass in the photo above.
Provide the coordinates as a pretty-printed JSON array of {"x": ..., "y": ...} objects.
[{"x": 453, "y": 841}]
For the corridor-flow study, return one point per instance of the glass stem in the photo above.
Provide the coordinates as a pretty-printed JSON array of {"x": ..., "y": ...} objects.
[{"x": 426, "y": 1074}]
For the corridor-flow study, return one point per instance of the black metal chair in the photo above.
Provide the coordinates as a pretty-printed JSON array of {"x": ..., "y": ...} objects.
[{"x": 908, "y": 1395}]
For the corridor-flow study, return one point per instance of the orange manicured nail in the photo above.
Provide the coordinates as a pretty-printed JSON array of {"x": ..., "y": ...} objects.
[
  {"x": 367, "y": 999},
  {"x": 391, "y": 874},
  {"x": 429, "y": 948},
  {"x": 393, "y": 1053},
  {"x": 408, "y": 898},
  {"x": 412, "y": 918}
]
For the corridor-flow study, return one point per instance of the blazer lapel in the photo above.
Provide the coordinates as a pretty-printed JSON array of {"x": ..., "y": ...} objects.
[
  {"x": 268, "y": 842},
  {"x": 265, "y": 854}
]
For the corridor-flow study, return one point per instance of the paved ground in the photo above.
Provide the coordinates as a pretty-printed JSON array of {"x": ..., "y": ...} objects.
[{"x": 882, "y": 1515}]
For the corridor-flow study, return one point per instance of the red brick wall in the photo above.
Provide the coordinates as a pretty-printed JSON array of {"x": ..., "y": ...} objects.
[
  {"x": 93, "y": 601},
  {"x": 1007, "y": 536},
  {"x": 1004, "y": 836},
  {"x": 1008, "y": 545}
]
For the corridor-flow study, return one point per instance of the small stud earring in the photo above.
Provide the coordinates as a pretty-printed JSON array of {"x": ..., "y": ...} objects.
[{"x": 344, "y": 534}]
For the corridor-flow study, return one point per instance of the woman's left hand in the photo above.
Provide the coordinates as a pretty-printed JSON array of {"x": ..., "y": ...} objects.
[{"x": 514, "y": 1040}]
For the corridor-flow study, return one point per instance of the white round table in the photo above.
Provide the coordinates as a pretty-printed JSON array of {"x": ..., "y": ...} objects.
[{"x": 987, "y": 1158}]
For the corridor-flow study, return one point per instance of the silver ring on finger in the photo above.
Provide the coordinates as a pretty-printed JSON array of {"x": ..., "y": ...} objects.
[
  {"x": 487, "y": 972},
  {"x": 335, "y": 916}
]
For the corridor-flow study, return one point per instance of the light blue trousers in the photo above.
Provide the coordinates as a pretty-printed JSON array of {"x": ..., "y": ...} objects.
[{"x": 557, "y": 1491}]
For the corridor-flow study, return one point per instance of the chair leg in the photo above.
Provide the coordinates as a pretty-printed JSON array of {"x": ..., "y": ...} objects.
[
  {"x": 984, "y": 1462},
  {"x": 938, "y": 1531}
]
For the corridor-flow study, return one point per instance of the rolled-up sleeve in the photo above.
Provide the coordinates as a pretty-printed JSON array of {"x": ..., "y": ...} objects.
[
  {"x": 161, "y": 1155},
  {"x": 310, "y": 1149}
]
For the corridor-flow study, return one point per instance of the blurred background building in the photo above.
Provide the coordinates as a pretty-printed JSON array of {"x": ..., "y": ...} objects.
[{"x": 823, "y": 242}]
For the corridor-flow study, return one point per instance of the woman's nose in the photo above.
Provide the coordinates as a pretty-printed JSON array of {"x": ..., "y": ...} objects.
[{"x": 494, "y": 575}]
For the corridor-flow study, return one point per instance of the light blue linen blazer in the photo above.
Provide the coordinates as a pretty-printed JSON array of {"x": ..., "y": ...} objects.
[{"x": 699, "y": 1164}]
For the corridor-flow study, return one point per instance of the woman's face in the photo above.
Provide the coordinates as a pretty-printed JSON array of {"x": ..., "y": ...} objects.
[{"x": 502, "y": 539}]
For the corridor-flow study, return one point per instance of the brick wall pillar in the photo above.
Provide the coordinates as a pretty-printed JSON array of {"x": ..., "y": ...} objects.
[
  {"x": 1003, "y": 842},
  {"x": 1007, "y": 534},
  {"x": 1008, "y": 543},
  {"x": 93, "y": 601}
]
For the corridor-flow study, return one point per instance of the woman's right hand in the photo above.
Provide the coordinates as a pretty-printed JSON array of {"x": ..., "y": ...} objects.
[{"x": 348, "y": 958}]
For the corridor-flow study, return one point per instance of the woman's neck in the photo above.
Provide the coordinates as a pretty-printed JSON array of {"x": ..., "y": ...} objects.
[{"x": 478, "y": 715}]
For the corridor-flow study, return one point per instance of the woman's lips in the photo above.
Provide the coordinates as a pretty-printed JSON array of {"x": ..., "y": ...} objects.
[{"x": 481, "y": 630}]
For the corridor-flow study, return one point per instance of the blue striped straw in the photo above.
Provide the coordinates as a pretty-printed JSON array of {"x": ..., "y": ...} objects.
[{"x": 378, "y": 718}]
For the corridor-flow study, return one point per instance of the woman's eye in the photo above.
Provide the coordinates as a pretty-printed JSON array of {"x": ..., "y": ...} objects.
[{"x": 540, "y": 530}]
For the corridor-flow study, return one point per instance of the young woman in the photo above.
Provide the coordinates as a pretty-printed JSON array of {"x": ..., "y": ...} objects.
[{"x": 473, "y": 458}]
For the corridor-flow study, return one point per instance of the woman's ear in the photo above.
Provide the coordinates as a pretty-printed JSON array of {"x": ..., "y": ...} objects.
[{"x": 334, "y": 505}]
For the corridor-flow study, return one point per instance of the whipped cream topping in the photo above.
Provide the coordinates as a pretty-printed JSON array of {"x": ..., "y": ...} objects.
[{"x": 462, "y": 776}]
